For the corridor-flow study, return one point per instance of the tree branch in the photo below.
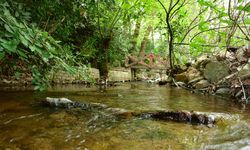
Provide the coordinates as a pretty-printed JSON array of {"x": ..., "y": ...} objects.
[
  {"x": 214, "y": 29},
  {"x": 165, "y": 9},
  {"x": 191, "y": 28},
  {"x": 177, "y": 9}
]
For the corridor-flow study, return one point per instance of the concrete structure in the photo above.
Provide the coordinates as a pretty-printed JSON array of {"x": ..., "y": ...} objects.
[{"x": 119, "y": 74}]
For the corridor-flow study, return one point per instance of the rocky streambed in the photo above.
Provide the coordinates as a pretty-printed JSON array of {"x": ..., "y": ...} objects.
[
  {"x": 226, "y": 75},
  {"x": 202, "y": 118}
]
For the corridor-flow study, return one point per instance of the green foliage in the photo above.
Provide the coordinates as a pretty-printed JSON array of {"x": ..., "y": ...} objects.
[
  {"x": 245, "y": 8},
  {"x": 96, "y": 31},
  {"x": 35, "y": 48}
]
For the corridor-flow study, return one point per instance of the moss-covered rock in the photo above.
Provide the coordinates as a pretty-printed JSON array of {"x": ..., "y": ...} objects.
[{"x": 215, "y": 70}]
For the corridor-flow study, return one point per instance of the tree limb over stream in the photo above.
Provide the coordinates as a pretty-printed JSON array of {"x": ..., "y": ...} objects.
[{"x": 178, "y": 116}]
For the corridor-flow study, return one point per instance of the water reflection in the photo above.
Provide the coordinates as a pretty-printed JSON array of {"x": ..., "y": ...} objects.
[{"x": 26, "y": 125}]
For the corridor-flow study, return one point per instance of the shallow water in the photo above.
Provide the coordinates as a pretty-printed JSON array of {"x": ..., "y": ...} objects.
[{"x": 25, "y": 124}]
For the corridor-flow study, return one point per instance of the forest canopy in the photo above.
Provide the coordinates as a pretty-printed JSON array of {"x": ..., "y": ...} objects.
[{"x": 40, "y": 36}]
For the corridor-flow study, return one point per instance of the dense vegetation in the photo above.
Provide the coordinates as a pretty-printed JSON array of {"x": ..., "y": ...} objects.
[{"x": 42, "y": 36}]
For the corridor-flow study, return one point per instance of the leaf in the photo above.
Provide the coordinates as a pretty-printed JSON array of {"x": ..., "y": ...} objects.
[
  {"x": 11, "y": 45},
  {"x": 35, "y": 49},
  {"x": 7, "y": 27},
  {"x": 22, "y": 54},
  {"x": 247, "y": 21},
  {"x": 203, "y": 26},
  {"x": 45, "y": 56},
  {"x": 23, "y": 40},
  {"x": 27, "y": 36},
  {"x": 2, "y": 54},
  {"x": 245, "y": 8},
  {"x": 17, "y": 75},
  {"x": 17, "y": 14}
]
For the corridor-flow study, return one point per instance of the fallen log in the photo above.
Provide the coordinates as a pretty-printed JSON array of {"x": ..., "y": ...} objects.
[{"x": 192, "y": 117}]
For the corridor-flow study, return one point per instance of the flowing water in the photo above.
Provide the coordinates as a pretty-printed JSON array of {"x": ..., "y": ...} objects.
[{"x": 25, "y": 124}]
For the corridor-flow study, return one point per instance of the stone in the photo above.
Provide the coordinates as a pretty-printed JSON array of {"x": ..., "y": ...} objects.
[
  {"x": 245, "y": 70},
  {"x": 202, "y": 84},
  {"x": 189, "y": 75},
  {"x": 119, "y": 75},
  {"x": 223, "y": 92},
  {"x": 6, "y": 81},
  {"x": 60, "y": 102},
  {"x": 182, "y": 77},
  {"x": 201, "y": 62},
  {"x": 195, "y": 80},
  {"x": 215, "y": 70},
  {"x": 243, "y": 54}
]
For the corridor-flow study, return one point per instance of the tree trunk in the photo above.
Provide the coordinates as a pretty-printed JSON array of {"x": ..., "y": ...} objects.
[
  {"x": 135, "y": 36},
  {"x": 103, "y": 57},
  {"x": 145, "y": 40},
  {"x": 171, "y": 42}
]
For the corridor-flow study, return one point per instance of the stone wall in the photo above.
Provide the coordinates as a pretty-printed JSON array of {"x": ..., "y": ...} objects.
[
  {"x": 144, "y": 74},
  {"x": 119, "y": 74},
  {"x": 64, "y": 77},
  {"x": 115, "y": 75}
]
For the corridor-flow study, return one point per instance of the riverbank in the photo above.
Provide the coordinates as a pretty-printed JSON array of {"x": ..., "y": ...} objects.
[{"x": 224, "y": 75}]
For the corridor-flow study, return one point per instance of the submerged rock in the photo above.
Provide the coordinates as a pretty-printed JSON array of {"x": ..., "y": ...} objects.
[
  {"x": 119, "y": 113},
  {"x": 179, "y": 116}
]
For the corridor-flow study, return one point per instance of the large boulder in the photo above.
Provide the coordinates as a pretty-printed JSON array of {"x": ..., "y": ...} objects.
[
  {"x": 216, "y": 70},
  {"x": 189, "y": 75}
]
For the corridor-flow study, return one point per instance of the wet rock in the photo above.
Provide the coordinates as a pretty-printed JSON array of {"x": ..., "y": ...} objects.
[
  {"x": 5, "y": 81},
  {"x": 243, "y": 54},
  {"x": 182, "y": 77},
  {"x": 215, "y": 70},
  {"x": 189, "y": 75},
  {"x": 202, "y": 84},
  {"x": 195, "y": 80},
  {"x": 245, "y": 70},
  {"x": 201, "y": 62},
  {"x": 182, "y": 84},
  {"x": 179, "y": 116},
  {"x": 164, "y": 82},
  {"x": 223, "y": 92},
  {"x": 207, "y": 118},
  {"x": 126, "y": 115},
  {"x": 58, "y": 102}
]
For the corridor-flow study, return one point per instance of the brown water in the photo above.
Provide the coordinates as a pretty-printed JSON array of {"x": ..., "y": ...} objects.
[{"x": 25, "y": 125}]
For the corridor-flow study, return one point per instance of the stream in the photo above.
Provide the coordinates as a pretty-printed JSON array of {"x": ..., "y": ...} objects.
[{"x": 27, "y": 125}]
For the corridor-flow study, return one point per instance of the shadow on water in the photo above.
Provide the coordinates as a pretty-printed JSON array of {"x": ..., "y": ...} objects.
[{"x": 24, "y": 124}]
